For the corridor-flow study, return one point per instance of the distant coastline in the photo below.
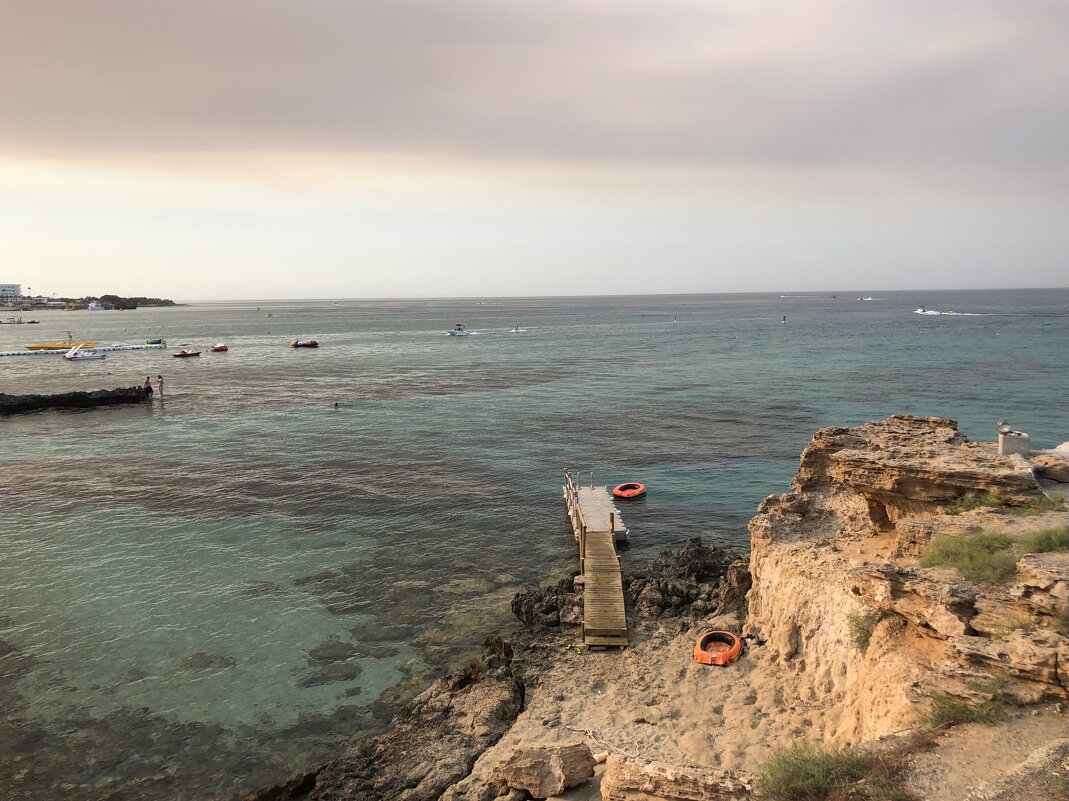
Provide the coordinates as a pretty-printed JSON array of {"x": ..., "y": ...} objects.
[{"x": 106, "y": 302}]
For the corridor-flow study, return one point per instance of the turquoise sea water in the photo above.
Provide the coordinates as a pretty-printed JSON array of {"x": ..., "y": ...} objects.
[{"x": 203, "y": 594}]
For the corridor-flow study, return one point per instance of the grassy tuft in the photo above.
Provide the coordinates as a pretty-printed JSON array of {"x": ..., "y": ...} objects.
[
  {"x": 1049, "y": 539},
  {"x": 814, "y": 774},
  {"x": 972, "y": 500},
  {"x": 809, "y": 774},
  {"x": 861, "y": 626},
  {"x": 982, "y": 557},
  {"x": 948, "y": 710},
  {"x": 1040, "y": 504}
]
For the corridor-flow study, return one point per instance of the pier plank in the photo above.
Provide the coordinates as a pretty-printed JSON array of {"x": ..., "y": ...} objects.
[{"x": 597, "y": 525}]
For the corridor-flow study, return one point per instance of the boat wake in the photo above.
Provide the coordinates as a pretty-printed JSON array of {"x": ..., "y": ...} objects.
[{"x": 947, "y": 313}]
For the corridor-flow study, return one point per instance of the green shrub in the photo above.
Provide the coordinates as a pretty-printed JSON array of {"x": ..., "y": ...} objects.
[
  {"x": 979, "y": 557},
  {"x": 810, "y": 774},
  {"x": 1040, "y": 504},
  {"x": 861, "y": 626},
  {"x": 1049, "y": 539},
  {"x": 972, "y": 500}
]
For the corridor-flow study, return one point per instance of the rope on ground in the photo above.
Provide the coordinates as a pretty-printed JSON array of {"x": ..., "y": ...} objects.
[{"x": 589, "y": 733}]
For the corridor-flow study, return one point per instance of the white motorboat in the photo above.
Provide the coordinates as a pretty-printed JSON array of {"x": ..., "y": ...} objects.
[
  {"x": 459, "y": 330},
  {"x": 76, "y": 354},
  {"x": 924, "y": 310}
]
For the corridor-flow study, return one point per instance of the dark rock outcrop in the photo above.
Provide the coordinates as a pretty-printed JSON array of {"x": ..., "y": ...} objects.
[
  {"x": 16, "y": 404},
  {"x": 549, "y": 607},
  {"x": 696, "y": 579},
  {"x": 430, "y": 745}
]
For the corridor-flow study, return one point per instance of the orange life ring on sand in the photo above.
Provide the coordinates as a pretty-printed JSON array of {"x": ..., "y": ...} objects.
[
  {"x": 631, "y": 489},
  {"x": 717, "y": 648}
]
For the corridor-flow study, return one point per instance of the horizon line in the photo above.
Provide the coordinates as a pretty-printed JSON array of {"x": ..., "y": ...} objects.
[{"x": 795, "y": 292}]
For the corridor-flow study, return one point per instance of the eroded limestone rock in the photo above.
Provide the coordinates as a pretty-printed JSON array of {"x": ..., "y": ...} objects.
[
  {"x": 1042, "y": 584},
  {"x": 908, "y": 465},
  {"x": 936, "y": 600},
  {"x": 1051, "y": 466},
  {"x": 1035, "y": 656},
  {"x": 631, "y": 779},
  {"x": 545, "y": 770}
]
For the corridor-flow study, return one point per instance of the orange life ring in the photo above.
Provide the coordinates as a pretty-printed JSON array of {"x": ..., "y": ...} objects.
[
  {"x": 717, "y": 648},
  {"x": 632, "y": 489}
]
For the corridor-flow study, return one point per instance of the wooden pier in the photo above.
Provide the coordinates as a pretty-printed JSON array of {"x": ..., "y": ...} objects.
[{"x": 597, "y": 525}]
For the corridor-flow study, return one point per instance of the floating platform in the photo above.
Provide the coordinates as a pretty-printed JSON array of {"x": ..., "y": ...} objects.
[
  {"x": 598, "y": 526},
  {"x": 101, "y": 348}
]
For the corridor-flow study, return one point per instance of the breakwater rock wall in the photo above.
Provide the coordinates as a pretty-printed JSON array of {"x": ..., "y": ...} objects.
[{"x": 17, "y": 404}]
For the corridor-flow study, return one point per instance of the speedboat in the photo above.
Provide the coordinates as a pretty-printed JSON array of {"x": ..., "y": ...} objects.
[
  {"x": 185, "y": 354},
  {"x": 459, "y": 330},
  {"x": 305, "y": 343},
  {"x": 220, "y": 347},
  {"x": 76, "y": 354},
  {"x": 923, "y": 310}
]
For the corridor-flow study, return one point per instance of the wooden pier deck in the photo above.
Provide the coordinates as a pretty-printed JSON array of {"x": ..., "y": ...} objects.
[{"x": 597, "y": 525}]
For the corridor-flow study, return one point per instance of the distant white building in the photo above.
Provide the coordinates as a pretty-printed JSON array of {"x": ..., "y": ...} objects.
[{"x": 10, "y": 294}]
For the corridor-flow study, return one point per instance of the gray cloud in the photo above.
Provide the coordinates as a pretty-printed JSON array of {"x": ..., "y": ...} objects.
[{"x": 955, "y": 85}]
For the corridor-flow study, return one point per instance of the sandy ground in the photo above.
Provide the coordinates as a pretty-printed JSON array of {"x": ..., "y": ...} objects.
[
  {"x": 968, "y": 757},
  {"x": 653, "y": 701}
]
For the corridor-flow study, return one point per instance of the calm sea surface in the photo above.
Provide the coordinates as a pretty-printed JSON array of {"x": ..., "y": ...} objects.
[{"x": 200, "y": 595}]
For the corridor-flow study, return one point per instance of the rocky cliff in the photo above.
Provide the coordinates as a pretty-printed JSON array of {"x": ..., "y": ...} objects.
[{"x": 838, "y": 553}]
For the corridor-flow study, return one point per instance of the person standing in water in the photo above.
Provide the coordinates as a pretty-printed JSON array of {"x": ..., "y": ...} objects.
[
  {"x": 148, "y": 386},
  {"x": 159, "y": 384}
]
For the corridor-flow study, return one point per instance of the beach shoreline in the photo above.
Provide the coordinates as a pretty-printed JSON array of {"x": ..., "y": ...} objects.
[{"x": 800, "y": 677}]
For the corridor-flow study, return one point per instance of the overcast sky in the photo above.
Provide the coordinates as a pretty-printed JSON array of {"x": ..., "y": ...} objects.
[{"x": 210, "y": 149}]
